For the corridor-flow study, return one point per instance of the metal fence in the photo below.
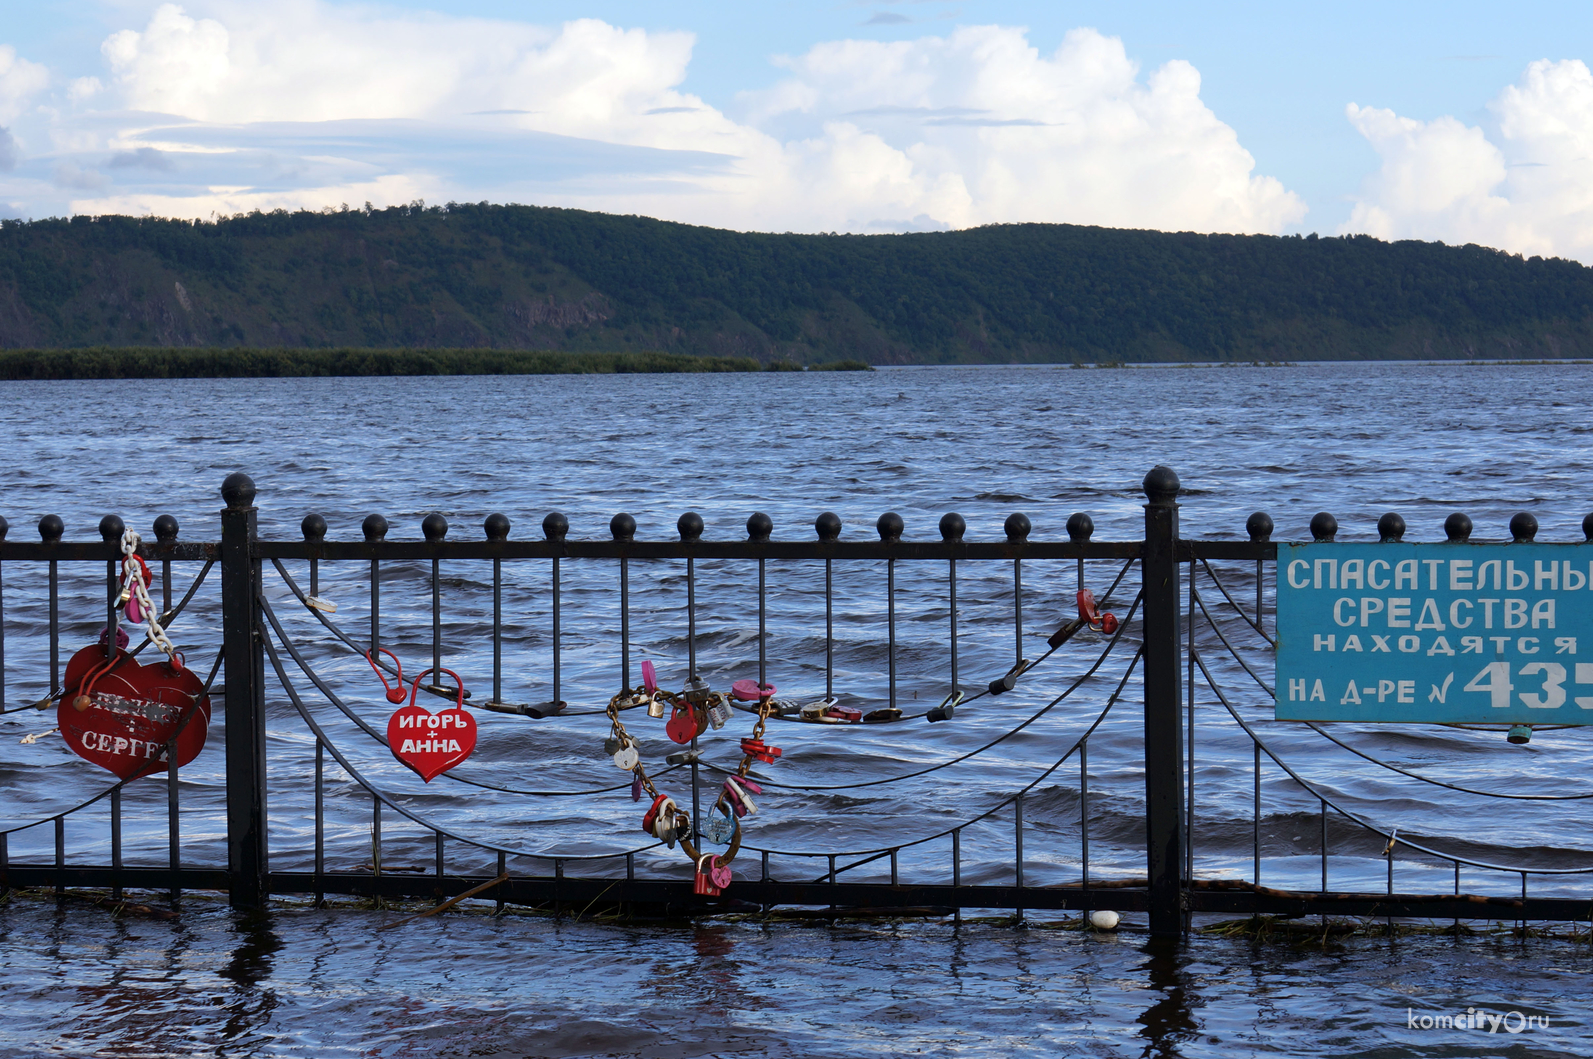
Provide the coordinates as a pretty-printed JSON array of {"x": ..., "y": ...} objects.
[{"x": 1185, "y": 633}]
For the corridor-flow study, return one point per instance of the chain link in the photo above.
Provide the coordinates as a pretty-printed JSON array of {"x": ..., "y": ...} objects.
[{"x": 135, "y": 585}]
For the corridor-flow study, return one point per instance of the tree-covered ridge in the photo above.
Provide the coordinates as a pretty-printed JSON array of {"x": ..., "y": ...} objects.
[{"x": 522, "y": 278}]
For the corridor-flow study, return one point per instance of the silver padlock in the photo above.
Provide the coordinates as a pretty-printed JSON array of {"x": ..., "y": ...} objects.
[
  {"x": 697, "y": 691},
  {"x": 655, "y": 706},
  {"x": 719, "y": 714},
  {"x": 612, "y": 745}
]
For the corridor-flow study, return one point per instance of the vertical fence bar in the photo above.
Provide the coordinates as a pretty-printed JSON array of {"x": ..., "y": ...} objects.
[
  {"x": 50, "y": 531},
  {"x": 763, "y": 628},
  {"x": 1017, "y": 837},
  {"x": 247, "y": 849},
  {"x": 320, "y": 822},
  {"x": 890, "y": 625},
  {"x": 166, "y": 530},
  {"x": 555, "y": 527},
  {"x": 1084, "y": 812},
  {"x": 1255, "y": 816},
  {"x": 1324, "y": 845},
  {"x": 497, "y": 630},
  {"x": 174, "y": 848},
  {"x": 60, "y": 854},
  {"x": 557, "y": 652},
  {"x": 439, "y": 835},
  {"x": 1017, "y": 611},
  {"x": 828, "y": 528},
  {"x": 376, "y": 834},
  {"x": 895, "y": 876},
  {"x": 829, "y": 631},
  {"x": 625, "y": 624},
  {"x": 111, "y": 529},
  {"x": 436, "y": 621},
  {"x": 952, "y": 632},
  {"x": 956, "y": 869},
  {"x": 1189, "y": 780},
  {"x": 1388, "y": 921},
  {"x": 691, "y": 618},
  {"x": 1163, "y": 752},
  {"x": 116, "y": 843}
]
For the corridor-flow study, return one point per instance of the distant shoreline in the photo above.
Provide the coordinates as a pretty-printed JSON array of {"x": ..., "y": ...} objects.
[{"x": 245, "y": 363}]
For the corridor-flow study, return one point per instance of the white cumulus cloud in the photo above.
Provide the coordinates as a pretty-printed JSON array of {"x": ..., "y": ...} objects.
[
  {"x": 309, "y": 102},
  {"x": 20, "y": 82},
  {"x": 1522, "y": 181}
]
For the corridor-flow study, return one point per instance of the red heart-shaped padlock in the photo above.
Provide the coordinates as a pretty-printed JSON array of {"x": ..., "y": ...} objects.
[
  {"x": 682, "y": 726},
  {"x": 131, "y": 712},
  {"x": 432, "y": 743}
]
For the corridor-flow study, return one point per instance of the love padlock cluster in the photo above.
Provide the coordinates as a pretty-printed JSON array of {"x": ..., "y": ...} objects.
[{"x": 693, "y": 711}]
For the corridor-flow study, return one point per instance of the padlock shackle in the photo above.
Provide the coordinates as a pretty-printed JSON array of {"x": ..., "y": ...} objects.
[
  {"x": 398, "y": 666},
  {"x": 459, "y": 686}
]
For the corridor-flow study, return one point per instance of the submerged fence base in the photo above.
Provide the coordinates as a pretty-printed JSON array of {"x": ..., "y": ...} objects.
[{"x": 596, "y": 895}]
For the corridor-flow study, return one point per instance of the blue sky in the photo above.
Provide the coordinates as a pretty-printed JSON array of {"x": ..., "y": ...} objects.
[{"x": 1473, "y": 123}]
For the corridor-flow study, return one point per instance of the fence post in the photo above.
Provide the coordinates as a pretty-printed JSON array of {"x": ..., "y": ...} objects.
[
  {"x": 1164, "y": 790},
  {"x": 245, "y": 698}
]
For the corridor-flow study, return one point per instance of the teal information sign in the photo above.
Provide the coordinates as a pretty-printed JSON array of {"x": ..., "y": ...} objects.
[{"x": 1435, "y": 632}]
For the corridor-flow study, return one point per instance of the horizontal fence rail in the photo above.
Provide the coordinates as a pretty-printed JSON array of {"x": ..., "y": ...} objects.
[{"x": 987, "y": 750}]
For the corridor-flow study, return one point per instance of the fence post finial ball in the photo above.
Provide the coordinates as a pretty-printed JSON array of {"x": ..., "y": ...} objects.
[
  {"x": 374, "y": 527},
  {"x": 496, "y": 526},
  {"x": 1523, "y": 527},
  {"x": 690, "y": 526},
  {"x": 555, "y": 527},
  {"x": 890, "y": 527},
  {"x": 1457, "y": 527},
  {"x": 1391, "y": 527},
  {"x": 952, "y": 526},
  {"x": 1324, "y": 527},
  {"x": 759, "y": 526},
  {"x": 828, "y": 526},
  {"x": 1259, "y": 526},
  {"x": 1161, "y": 485},
  {"x": 238, "y": 490},
  {"x": 1081, "y": 527},
  {"x": 623, "y": 527},
  {"x": 434, "y": 527}
]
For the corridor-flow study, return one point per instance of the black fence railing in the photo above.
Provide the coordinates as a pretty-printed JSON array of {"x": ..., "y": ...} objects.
[{"x": 285, "y": 660}]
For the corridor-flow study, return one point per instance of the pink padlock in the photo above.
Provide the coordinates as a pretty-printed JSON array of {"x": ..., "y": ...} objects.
[
  {"x": 649, "y": 677},
  {"x": 751, "y": 691},
  {"x": 135, "y": 610}
]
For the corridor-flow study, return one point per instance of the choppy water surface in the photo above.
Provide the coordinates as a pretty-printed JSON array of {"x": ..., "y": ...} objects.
[{"x": 1357, "y": 440}]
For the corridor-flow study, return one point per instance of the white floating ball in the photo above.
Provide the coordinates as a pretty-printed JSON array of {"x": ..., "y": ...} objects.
[{"x": 1104, "y": 919}]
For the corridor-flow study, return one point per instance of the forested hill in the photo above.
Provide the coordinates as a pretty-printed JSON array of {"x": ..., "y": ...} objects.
[{"x": 518, "y": 277}]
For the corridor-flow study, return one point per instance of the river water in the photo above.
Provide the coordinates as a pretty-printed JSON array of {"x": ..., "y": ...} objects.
[{"x": 1356, "y": 440}]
